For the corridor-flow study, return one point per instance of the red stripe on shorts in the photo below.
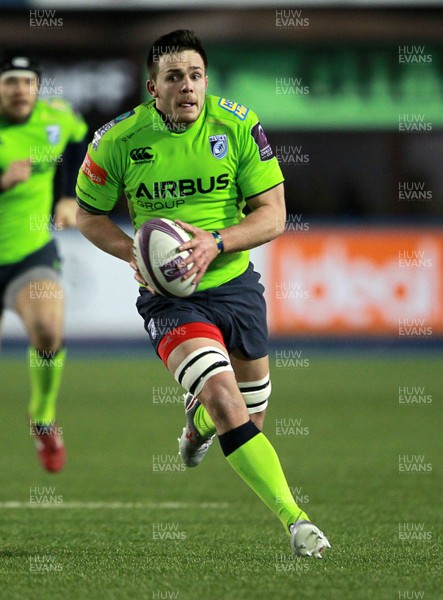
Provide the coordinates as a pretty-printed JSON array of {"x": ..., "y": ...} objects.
[{"x": 188, "y": 331}]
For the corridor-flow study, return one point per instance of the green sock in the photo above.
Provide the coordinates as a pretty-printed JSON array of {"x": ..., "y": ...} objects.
[
  {"x": 46, "y": 370},
  {"x": 257, "y": 463},
  {"x": 203, "y": 422}
]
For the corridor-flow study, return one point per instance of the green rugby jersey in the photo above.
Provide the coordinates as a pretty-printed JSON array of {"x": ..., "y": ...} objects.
[
  {"x": 201, "y": 175},
  {"x": 25, "y": 209}
]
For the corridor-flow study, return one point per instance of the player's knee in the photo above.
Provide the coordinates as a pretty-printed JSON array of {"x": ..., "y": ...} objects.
[
  {"x": 45, "y": 334},
  {"x": 256, "y": 394},
  {"x": 221, "y": 391},
  {"x": 223, "y": 401}
]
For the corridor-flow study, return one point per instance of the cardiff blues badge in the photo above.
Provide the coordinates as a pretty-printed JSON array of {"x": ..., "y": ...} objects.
[
  {"x": 219, "y": 145},
  {"x": 53, "y": 133}
]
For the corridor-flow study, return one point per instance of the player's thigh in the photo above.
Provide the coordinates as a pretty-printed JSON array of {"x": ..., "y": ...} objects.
[
  {"x": 32, "y": 289},
  {"x": 246, "y": 369},
  {"x": 202, "y": 366}
]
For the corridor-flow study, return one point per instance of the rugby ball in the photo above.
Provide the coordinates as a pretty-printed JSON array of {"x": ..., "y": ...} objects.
[{"x": 155, "y": 252}]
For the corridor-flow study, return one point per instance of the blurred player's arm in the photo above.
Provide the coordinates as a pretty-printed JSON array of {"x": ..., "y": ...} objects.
[
  {"x": 17, "y": 172},
  {"x": 65, "y": 207}
]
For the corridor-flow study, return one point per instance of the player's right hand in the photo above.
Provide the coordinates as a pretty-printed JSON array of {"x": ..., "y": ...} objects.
[
  {"x": 17, "y": 172},
  {"x": 204, "y": 250}
]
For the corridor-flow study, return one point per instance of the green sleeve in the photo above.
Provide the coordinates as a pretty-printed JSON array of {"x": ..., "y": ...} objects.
[
  {"x": 79, "y": 128},
  {"x": 100, "y": 181},
  {"x": 258, "y": 169}
]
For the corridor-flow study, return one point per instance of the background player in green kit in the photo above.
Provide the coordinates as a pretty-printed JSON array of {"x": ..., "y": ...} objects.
[
  {"x": 33, "y": 136},
  {"x": 200, "y": 160}
]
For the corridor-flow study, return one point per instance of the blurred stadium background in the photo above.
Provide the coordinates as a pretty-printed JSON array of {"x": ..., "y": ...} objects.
[{"x": 350, "y": 94}]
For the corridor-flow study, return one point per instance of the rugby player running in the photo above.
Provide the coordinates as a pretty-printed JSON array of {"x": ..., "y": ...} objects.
[
  {"x": 199, "y": 160},
  {"x": 33, "y": 136}
]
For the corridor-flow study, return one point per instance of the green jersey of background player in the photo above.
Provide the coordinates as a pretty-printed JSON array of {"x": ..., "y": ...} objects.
[
  {"x": 198, "y": 160},
  {"x": 34, "y": 135},
  {"x": 36, "y": 145}
]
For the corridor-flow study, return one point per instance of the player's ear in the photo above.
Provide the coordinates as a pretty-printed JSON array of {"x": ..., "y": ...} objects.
[
  {"x": 150, "y": 86},
  {"x": 206, "y": 82}
]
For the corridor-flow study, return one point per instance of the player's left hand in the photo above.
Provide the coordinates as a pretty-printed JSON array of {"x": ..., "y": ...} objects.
[
  {"x": 139, "y": 277},
  {"x": 204, "y": 250},
  {"x": 65, "y": 213}
]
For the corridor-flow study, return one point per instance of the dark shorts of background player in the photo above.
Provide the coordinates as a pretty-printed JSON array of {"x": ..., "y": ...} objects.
[
  {"x": 46, "y": 257},
  {"x": 237, "y": 308}
]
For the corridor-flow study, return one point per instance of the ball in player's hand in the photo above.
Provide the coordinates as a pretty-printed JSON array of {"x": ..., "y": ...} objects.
[{"x": 155, "y": 252}]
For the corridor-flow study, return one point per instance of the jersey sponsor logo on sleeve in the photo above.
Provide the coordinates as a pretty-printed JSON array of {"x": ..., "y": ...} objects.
[
  {"x": 53, "y": 133},
  {"x": 104, "y": 128},
  {"x": 95, "y": 173},
  {"x": 235, "y": 108},
  {"x": 124, "y": 116},
  {"x": 263, "y": 145},
  {"x": 219, "y": 145}
]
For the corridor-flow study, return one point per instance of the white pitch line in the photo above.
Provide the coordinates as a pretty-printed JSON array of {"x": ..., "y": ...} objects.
[{"x": 117, "y": 505}]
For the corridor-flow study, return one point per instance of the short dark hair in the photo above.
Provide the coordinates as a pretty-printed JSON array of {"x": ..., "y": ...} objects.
[{"x": 170, "y": 43}]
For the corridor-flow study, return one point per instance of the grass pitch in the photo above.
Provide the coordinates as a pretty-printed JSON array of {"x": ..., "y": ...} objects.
[{"x": 126, "y": 520}]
